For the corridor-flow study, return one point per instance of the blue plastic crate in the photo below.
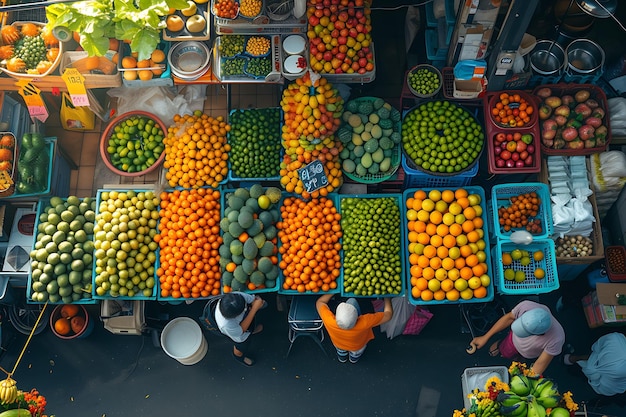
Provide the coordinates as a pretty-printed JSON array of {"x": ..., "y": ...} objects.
[
  {"x": 593, "y": 78},
  {"x": 398, "y": 201},
  {"x": 407, "y": 266},
  {"x": 433, "y": 51},
  {"x": 281, "y": 278},
  {"x": 223, "y": 197},
  {"x": 416, "y": 178},
  {"x": 500, "y": 197},
  {"x": 15, "y": 114},
  {"x": 41, "y": 205},
  {"x": 231, "y": 176},
  {"x": 51, "y": 144},
  {"x": 530, "y": 285},
  {"x": 450, "y": 15},
  {"x": 108, "y": 296}
]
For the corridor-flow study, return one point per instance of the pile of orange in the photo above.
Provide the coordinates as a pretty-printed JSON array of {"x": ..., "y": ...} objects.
[
  {"x": 144, "y": 69},
  {"x": 196, "y": 151},
  {"x": 447, "y": 250},
  {"x": 189, "y": 239},
  {"x": 309, "y": 233}
]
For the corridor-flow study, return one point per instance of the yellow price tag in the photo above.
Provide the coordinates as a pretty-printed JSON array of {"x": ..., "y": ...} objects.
[
  {"x": 32, "y": 97},
  {"x": 75, "y": 83}
]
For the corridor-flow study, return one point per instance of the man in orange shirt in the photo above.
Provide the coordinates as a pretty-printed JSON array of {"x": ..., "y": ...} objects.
[{"x": 348, "y": 329}]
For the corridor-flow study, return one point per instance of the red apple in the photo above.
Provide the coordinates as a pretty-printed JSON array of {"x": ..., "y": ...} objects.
[{"x": 500, "y": 137}]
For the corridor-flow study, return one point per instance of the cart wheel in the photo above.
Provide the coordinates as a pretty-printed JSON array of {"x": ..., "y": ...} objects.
[{"x": 24, "y": 317}]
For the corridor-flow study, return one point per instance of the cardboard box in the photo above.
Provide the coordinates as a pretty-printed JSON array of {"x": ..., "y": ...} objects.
[
  {"x": 598, "y": 314},
  {"x": 467, "y": 88}
]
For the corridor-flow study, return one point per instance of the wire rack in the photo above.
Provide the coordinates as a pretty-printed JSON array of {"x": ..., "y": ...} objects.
[{"x": 28, "y": 14}]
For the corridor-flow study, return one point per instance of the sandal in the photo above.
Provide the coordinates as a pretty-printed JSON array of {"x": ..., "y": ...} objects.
[
  {"x": 244, "y": 360},
  {"x": 494, "y": 349},
  {"x": 258, "y": 329}
]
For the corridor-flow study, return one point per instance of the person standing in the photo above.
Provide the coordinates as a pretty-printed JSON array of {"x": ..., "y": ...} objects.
[
  {"x": 235, "y": 316},
  {"x": 348, "y": 329},
  {"x": 535, "y": 334}
]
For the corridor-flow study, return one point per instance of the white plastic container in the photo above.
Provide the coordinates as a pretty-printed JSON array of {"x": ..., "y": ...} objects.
[
  {"x": 182, "y": 339},
  {"x": 294, "y": 45}
]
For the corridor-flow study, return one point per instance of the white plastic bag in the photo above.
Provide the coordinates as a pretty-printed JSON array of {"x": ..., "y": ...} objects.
[
  {"x": 617, "y": 113},
  {"x": 402, "y": 311},
  {"x": 613, "y": 164}
]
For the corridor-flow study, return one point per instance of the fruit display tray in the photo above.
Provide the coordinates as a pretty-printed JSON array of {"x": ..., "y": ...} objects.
[
  {"x": 281, "y": 277},
  {"x": 491, "y": 98},
  {"x": 530, "y": 285},
  {"x": 416, "y": 178},
  {"x": 244, "y": 77},
  {"x": 500, "y": 196},
  {"x": 599, "y": 95},
  {"x": 223, "y": 194},
  {"x": 184, "y": 34},
  {"x": 398, "y": 198},
  {"x": 231, "y": 176},
  {"x": 261, "y": 25},
  {"x": 107, "y": 296},
  {"x": 493, "y": 130},
  {"x": 615, "y": 257},
  {"x": 407, "y": 266},
  {"x": 41, "y": 205},
  {"x": 164, "y": 80}
]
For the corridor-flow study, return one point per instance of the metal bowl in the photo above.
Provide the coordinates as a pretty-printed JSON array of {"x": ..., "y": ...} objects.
[
  {"x": 584, "y": 56},
  {"x": 547, "y": 58},
  {"x": 431, "y": 69},
  {"x": 279, "y": 10},
  {"x": 189, "y": 60}
]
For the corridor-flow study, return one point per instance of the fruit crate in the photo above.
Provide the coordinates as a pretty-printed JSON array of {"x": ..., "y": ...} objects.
[
  {"x": 185, "y": 34},
  {"x": 500, "y": 196},
  {"x": 396, "y": 155},
  {"x": 334, "y": 197},
  {"x": 493, "y": 97},
  {"x": 598, "y": 95},
  {"x": 41, "y": 205},
  {"x": 223, "y": 194},
  {"x": 15, "y": 115},
  {"x": 59, "y": 171},
  {"x": 616, "y": 263},
  {"x": 273, "y": 76},
  {"x": 398, "y": 200},
  {"x": 231, "y": 175},
  {"x": 530, "y": 285},
  {"x": 416, "y": 178},
  {"x": 408, "y": 193},
  {"x": 473, "y": 378},
  {"x": 164, "y": 80},
  {"x": 107, "y": 296},
  {"x": 243, "y": 26},
  {"x": 366, "y": 77}
]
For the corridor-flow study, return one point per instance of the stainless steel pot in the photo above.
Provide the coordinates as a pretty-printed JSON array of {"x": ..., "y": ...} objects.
[
  {"x": 547, "y": 58},
  {"x": 584, "y": 56}
]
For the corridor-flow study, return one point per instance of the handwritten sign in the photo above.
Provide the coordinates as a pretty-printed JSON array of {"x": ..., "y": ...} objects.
[
  {"x": 32, "y": 97},
  {"x": 75, "y": 83},
  {"x": 313, "y": 176}
]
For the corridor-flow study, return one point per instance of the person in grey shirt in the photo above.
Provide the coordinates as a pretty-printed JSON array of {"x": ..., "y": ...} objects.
[{"x": 235, "y": 316}]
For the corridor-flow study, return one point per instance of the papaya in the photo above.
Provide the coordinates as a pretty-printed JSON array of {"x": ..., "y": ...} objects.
[{"x": 21, "y": 412}]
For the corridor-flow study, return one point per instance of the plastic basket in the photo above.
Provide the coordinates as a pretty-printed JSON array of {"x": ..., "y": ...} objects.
[
  {"x": 15, "y": 114},
  {"x": 281, "y": 278},
  {"x": 491, "y": 98},
  {"x": 473, "y": 378},
  {"x": 223, "y": 195},
  {"x": 429, "y": 68},
  {"x": 395, "y": 156},
  {"x": 107, "y": 295},
  {"x": 615, "y": 261},
  {"x": 398, "y": 201},
  {"x": 500, "y": 197},
  {"x": 597, "y": 94},
  {"x": 231, "y": 175},
  {"x": 530, "y": 285},
  {"x": 51, "y": 144},
  {"x": 41, "y": 205},
  {"x": 415, "y": 178},
  {"x": 407, "y": 265}
]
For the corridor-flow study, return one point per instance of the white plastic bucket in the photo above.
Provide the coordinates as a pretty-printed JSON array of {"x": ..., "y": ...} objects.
[{"x": 182, "y": 339}]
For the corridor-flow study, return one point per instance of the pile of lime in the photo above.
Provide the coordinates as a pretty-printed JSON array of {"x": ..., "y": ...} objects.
[
  {"x": 441, "y": 137},
  {"x": 125, "y": 250},
  {"x": 255, "y": 143},
  {"x": 61, "y": 260},
  {"x": 135, "y": 144},
  {"x": 371, "y": 245},
  {"x": 231, "y": 45},
  {"x": 424, "y": 81}
]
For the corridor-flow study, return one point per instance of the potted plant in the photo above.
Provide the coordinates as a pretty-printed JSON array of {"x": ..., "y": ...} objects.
[{"x": 138, "y": 22}]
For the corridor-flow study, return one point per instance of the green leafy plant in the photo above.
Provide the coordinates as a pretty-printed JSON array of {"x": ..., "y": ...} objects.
[{"x": 137, "y": 21}]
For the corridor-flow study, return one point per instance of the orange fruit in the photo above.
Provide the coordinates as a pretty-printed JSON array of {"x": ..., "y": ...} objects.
[
  {"x": 435, "y": 263},
  {"x": 430, "y": 251},
  {"x": 431, "y": 229},
  {"x": 469, "y": 213},
  {"x": 442, "y": 230},
  {"x": 460, "y": 193},
  {"x": 447, "y": 285},
  {"x": 420, "y": 195},
  {"x": 473, "y": 236},
  {"x": 447, "y": 264},
  {"x": 480, "y": 292},
  {"x": 413, "y": 236},
  {"x": 422, "y": 284},
  {"x": 447, "y": 196},
  {"x": 423, "y": 238},
  {"x": 442, "y": 252},
  {"x": 455, "y": 229},
  {"x": 436, "y": 217},
  {"x": 466, "y": 272},
  {"x": 471, "y": 260},
  {"x": 453, "y": 295},
  {"x": 439, "y": 295},
  {"x": 416, "y": 270},
  {"x": 416, "y": 292},
  {"x": 92, "y": 62},
  {"x": 129, "y": 62},
  {"x": 428, "y": 273},
  {"x": 145, "y": 75},
  {"x": 157, "y": 56},
  {"x": 463, "y": 202},
  {"x": 467, "y": 226},
  {"x": 436, "y": 241},
  {"x": 449, "y": 241},
  {"x": 69, "y": 310},
  {"x": 427, "y": 295},
  {"x": 419, "y": 226},
  {"x": 62, "y": 326},
  {"x": 423, "y": 262}
]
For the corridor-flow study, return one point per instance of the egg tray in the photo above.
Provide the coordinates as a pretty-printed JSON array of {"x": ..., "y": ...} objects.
[{"x": 184, "y": 34}]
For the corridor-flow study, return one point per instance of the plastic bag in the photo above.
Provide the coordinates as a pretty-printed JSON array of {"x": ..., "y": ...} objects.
[
  {"x": 75, "y": 118},
  {"x": 613, "y": 164},
  {"x": 402, "y": 311},
  {"x": 617, "y": 112},
  {"x": 163, "y": 102}
]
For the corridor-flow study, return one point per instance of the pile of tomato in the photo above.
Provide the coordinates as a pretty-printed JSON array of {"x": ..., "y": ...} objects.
[{"x": 511, "y": 110}]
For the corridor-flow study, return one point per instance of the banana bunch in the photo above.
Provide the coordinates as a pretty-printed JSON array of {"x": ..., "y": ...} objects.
[
  {"x": 490, "y": 409},
  {"x": 8, "y": 391},
  {"x": 529, "y": 397}
]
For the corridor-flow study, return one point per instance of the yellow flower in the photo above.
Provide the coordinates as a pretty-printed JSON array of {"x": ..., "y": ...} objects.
[
  {"x": 458, "y": 413},
  {"x": 569, "y": 401}
]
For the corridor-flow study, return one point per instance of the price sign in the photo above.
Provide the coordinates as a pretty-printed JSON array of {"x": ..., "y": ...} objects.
[
  {"x": 75, "y": 83},
  {"x": 313, "y": 176},
  {"x": 32, "y": 98}
]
